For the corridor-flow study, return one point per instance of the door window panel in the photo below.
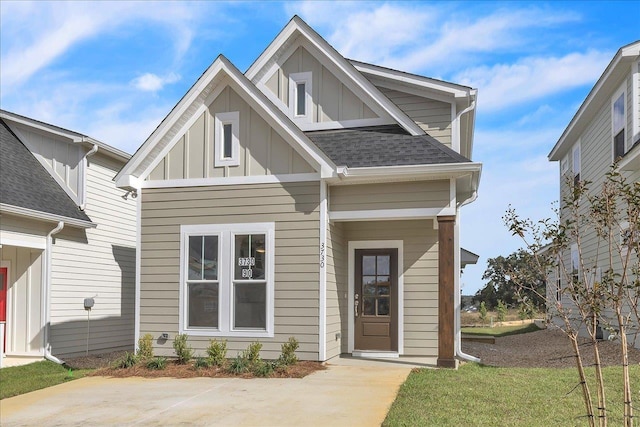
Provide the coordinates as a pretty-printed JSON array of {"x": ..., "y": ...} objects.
[{"x": 376, "y": 285}]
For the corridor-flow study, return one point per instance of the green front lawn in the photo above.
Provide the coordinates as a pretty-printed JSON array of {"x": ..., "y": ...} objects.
[
  {"x": 477, "y": 395},
  {"x": 17, "y": 380},
  {"x": 501, "y": 331}
]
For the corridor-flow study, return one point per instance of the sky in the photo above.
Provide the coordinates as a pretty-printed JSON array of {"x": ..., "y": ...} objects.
[{"x": 114, "y": 70}]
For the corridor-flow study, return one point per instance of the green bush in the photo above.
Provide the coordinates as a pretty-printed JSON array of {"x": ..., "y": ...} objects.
[
  {"x": 145, "y": 347},
  {"x": 263, "y": 368},
  {"x": 157, "y": 363},
  {"x": 182, "y": 349},
  {"x": 127, "y": 361},
  {"x": 501, "y": 310},
  {"x": 252, "y": 353},
  {"x": 202, "y": 362},
  {"x": 482, "y": 312},
  {"x": 239, "y": 365},
  {"x": 288, "y": 352},
  {"x": 217, "y": 352}
]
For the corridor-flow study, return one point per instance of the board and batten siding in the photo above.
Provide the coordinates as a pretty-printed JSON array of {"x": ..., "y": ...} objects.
[
  {"x": 293, "y": 207},
  {"x": 420, "y": 270},
  {"x": 331, "y": 99},
  {"x": 262, "y": 150},
  {"x": 400, "y": 195},
  {"x": 434, "y": 117},
  {"x": 337, "y": 288},
  {"x": 95, "y": 263}
]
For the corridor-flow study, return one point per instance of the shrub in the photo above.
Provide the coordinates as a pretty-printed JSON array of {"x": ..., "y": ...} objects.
[
  {"x": 145, "y": 347},
  {"x": 202, "y": 362},
  {"x": 502, "y": 311},
  {"x": 182, "y": 349},
  {"x": 482, "y": 312},
  {"x": 239, "y": 365},
  {"x": 263, "y": 368},
  {"x": 252, "y": 353},
  {"x": 157, "y": 363},
  {"x": 217, "y": 352},
  {"x": 288, "y": 352},
  {"x": 523, "y": 311},
  {"x": 127, "y": 361}
]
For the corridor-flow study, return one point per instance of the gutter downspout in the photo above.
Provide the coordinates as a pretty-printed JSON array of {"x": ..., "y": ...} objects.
[
  {"x": 90, "y": 153},
  {"x": 47, "y": 294},
  {"x": 458, "y": 345}
]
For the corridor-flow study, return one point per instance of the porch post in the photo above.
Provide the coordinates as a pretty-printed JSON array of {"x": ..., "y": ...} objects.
[{"x": 446, "y": 281}]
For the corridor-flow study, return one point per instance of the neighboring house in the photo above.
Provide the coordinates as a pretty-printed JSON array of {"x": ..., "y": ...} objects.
[
  {"x": 605, "y": 128},
  {"x": 66, "y": 234},
  {"x": 313, "y": 197}
]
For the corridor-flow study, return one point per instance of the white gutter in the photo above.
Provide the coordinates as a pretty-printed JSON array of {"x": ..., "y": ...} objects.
[
  {"x": 47, "y": 294},
  {"x": 90, "y": 153}
]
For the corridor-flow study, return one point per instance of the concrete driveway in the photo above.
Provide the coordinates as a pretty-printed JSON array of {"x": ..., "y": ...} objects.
[{"x": 343, "y": 395}]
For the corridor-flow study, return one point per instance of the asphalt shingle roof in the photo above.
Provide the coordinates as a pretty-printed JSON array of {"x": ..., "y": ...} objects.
[
  {"x": 387, "y": 145},
  {"x": 25, "y": 183}
]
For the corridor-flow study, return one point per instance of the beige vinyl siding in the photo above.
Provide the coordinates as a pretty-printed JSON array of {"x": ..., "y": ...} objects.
[
  {"x": 336, "y": 264},
  {"x": 332, "y": 100},
  {"x": 420, "y": 270},
  {"x": 434, "y": 117},
  {"x": 400, "y": 195},
  {"x": 262, "y": 150},
  {"x": 24, "y": 299},
  {"x": 294, "y": 207},
  {"x": 96, "y": 263}
]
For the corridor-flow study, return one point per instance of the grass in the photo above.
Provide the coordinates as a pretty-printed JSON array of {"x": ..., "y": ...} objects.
[
  {"x": 501, "y": 331},
  {"x": 17, "y": 380},
  {"x": 477, "y": 395}
]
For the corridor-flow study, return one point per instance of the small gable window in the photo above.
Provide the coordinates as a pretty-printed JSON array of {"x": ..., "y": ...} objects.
[
  {"x": 300, "y": 100},
  {"x": 227, "y": 140},
  {"x": 618, "y": 121}
]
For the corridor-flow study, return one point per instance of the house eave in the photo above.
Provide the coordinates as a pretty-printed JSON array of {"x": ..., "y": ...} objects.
[
  {"x": 631, "y": 160},
  {"x": 44, "y": 216}
]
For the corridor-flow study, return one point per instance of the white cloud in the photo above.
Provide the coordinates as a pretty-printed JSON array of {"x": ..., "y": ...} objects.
[
  {"x": 504, "y": 85},
  {"x": 150, "y": 82}
]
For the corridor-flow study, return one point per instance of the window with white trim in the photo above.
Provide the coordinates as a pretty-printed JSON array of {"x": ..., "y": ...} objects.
[
  {"x": 227, "y": 139},
  {"x": 564, "y": 165},
  {"x": 618, "y": 122},
  {"x": 300, "y": 100},
  {"x": 227, "y": 279},
  {"x": 575, "y": 263},
  {"x": 576, "y": 166}
]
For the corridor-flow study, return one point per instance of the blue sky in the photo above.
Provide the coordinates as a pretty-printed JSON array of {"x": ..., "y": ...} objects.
[{"x": 113, "y": 70}]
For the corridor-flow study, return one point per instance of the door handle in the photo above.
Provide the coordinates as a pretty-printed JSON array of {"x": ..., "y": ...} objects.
[{"x": 355, "y": 305}]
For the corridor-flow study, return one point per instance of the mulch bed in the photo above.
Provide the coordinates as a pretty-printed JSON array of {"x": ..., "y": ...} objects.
[{"x": 548, "y": 348}]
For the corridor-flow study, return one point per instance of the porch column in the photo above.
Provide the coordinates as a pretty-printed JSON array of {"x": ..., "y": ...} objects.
[{"x": 446, "y": 280}]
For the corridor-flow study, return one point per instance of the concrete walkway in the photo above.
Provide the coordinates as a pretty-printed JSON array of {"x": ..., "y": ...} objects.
[{"x": 350, "y": 394}]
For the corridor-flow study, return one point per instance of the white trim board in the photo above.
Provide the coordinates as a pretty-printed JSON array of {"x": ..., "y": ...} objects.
[
  {"x": 235, "y": 180},
  {"x": 390, "y": 214},
  {"x": 375, "y": 244}
]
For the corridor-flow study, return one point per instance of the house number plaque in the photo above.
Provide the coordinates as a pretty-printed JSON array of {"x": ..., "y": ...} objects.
[{"x": 247, "y": 273}]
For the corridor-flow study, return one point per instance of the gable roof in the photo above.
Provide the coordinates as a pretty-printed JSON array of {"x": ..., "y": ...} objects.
[
  {"x": 388, "y": 145},
  {"x": 27, "y": 188},
  {"x": 298, "y": 28},
  {"x": 601, "y": 92},
  {"x": 193, "y": 104}
]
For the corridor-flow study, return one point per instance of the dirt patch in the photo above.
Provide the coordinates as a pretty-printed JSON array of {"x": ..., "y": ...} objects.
[
  {"x": 174, "y": 370},
  {"x": 548, "y": 348},
  {"x": 94, "y": 361}
]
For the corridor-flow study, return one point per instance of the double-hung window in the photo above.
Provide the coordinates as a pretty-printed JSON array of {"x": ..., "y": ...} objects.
[
  {"x": 227, "y": 275},
  {"x": 618, "y": 123}
]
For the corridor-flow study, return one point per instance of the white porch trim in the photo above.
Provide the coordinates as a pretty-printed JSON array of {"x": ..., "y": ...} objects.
[{"x": 390, "y": 214}]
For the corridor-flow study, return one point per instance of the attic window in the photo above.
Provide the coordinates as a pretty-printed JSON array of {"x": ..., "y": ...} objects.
[
  {"x": 300, "y": 96},
  {"x": 227, "y": 140}
]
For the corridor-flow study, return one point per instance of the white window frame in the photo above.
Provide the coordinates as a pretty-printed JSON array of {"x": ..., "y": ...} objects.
[
  {"x": 622, "y": 91},
  {"x": 576, "y": 167},
  {"x": 295, "y": 79},
  {"x": 226, "y": 240},
  {"x": 229, "y": 118},
  {"x": 575, "y": 256}
]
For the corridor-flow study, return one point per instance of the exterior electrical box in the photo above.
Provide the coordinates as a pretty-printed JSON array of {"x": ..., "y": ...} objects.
[{"x": 88, "y": 303}]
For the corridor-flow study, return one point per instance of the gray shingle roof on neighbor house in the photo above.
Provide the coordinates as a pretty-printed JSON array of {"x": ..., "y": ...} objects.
[
  {"x": 387, "y": 145},
  {"x": 25, "y": 183}
]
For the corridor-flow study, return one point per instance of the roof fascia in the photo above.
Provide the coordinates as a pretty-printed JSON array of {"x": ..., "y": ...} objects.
[
  {"x": 445, "y": 170},
  {"x": 297, "y": 24},
  {"x": 74, "y": 137},
  {"x": 45, "y": 216},
  {"x": 623, "y": 55},
  {"x": 439, "y": 86}
]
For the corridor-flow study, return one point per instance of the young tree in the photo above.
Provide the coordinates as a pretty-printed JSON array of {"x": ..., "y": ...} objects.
[{"x": 600, "y": 288}]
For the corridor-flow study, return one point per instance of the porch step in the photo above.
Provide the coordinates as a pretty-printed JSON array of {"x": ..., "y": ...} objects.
[{"x": 487, "y": 339}]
